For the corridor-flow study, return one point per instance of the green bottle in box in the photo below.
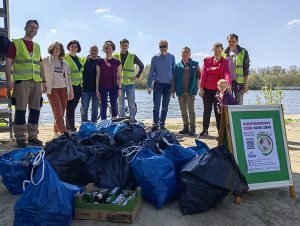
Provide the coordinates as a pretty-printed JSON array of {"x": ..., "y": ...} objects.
[{"x": 88, "y": 197}]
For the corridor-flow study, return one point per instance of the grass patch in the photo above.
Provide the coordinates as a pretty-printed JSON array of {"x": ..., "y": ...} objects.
[
  {"x": 173, "y": 127},
  {"x": 290, "y": 121},
  {"x": 4, "y": 141}
]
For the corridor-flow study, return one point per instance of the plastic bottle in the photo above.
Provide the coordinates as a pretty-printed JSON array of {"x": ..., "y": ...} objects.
[
  {"x": 130, "y": 197},
  {"x": 121, "y": 198},
  {"x": 113, "y": 195}
]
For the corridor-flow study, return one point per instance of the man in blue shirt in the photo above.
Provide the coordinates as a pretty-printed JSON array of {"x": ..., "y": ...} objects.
[{"x": 161, "y": 71}]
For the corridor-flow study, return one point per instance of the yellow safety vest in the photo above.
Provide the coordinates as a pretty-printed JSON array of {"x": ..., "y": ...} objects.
[
  {"x": 24, "y": 66},
  {"x": 128, "y": 68},
  {"x": 239, "y": 62},
  {"x": 76, "y": 75}
]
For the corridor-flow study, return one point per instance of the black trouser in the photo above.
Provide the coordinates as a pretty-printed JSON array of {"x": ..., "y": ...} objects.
[
  {"x": 71, "y": 107},
  {"x": 209, "y": 99}
]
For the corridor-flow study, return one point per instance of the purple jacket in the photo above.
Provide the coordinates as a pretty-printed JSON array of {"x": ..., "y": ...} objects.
[{"x": 228, "y": 99}]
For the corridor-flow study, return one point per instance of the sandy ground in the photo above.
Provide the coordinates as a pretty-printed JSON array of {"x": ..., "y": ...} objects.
[{"x": 265, "y": 207}]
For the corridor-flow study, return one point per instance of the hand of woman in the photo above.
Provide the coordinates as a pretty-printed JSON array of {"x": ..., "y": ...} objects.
[
  {"x": 119, "y": 92},
  {"x": 201, "y": 92},
  {"x": 98, "y": 94},
  {"x": 71, "y": 95}
]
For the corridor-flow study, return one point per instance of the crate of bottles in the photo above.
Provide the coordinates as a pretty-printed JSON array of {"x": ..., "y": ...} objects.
[{"x": 114, "y": 205}]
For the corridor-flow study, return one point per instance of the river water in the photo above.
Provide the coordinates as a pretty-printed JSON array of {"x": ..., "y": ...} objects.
[{"x": 145, "y": 104}]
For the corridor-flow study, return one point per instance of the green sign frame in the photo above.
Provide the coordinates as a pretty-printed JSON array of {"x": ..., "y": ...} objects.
[{"x": 269, "y": 179}]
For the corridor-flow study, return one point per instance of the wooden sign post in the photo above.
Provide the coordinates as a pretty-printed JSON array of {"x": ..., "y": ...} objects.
[{"x": 256, "y": 136}]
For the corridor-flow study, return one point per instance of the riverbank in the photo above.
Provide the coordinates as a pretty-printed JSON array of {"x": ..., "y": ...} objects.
[{"x": 265, "y": 207}]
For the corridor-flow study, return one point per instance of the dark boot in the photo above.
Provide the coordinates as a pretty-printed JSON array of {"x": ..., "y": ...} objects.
[
  {"x": 21, "y": 143},
  {"x": 185, "y": 130},
  {"x": 192, "y": 133}
]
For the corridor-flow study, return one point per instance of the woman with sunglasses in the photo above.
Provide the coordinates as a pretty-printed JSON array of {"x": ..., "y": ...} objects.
[
  {"x": 214, "y": 68},
  {"x": 108, "y": 80},
  {"x": 75, "y": 63}
]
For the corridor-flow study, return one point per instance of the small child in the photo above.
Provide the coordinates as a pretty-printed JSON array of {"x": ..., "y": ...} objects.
[{"x": 224, "y": 96}]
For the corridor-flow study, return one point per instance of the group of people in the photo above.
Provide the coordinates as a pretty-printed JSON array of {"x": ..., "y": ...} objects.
[{"x": 66, "y": 77}]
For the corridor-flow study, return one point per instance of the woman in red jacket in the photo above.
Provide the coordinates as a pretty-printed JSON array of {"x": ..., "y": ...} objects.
[{"x": 214, "y": 69}]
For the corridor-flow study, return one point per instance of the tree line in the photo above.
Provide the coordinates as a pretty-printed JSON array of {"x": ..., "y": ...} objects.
[{"x": 275, "y": 75}]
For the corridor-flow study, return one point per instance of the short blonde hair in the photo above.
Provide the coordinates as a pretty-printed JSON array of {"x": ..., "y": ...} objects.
[{"x": 222, "y": 81}]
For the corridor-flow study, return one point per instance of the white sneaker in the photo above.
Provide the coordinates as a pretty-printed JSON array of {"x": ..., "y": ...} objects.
[{"x": 56, "y": 134}]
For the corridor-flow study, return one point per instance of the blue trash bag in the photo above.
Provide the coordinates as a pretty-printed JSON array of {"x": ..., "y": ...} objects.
[
  {"x": 86, "y": 129},
  {"x": 15, "y": 167},
  {"x": 46, "y": 201},
  {"x": 106, "y": 126},
  {"x": 200, "y": 147},
  {"x": 179, "y": 156},
  {"x": 156, "y": 175},
  {"x": 119, "y": 126}
]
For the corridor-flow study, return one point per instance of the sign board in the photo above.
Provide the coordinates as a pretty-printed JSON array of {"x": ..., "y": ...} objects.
[{"x": 257, "y": 138}]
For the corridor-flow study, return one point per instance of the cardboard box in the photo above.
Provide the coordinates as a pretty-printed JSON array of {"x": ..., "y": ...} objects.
[{"x": 107, "y": 212}]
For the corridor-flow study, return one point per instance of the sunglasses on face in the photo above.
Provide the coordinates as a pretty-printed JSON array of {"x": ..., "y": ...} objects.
[{"x": 163, "y": 47}]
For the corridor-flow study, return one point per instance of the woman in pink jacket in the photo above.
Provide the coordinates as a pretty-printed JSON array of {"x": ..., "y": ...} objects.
[{"x": 214, "y": 69}]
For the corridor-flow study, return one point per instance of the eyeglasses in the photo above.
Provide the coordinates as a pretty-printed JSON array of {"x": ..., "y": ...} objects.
[{"x": 163, "y": 47}]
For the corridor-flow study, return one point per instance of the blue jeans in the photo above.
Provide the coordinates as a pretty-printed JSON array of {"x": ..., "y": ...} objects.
[
  {"x": 130, "y": 94},
  {"x": 85, "y": 103},
  {"x": 161, "y": 93}
]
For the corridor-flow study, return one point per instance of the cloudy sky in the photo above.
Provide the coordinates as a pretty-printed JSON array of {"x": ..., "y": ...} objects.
[{"x": 268, "y": 29}]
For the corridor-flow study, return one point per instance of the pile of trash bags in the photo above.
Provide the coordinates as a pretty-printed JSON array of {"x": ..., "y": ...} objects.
[{"x": 125, "y": 154}]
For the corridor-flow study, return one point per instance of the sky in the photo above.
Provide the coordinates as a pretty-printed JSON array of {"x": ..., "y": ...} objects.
[{"x": 268, "y": 29}]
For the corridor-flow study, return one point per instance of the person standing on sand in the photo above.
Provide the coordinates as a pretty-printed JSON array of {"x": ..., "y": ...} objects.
[
  {"x": 59, "y": 85},
  {"x": 161, "y": 71},
  {"x": 185, "y": 83},
  {"x": 108, "y": 80},
  {"x": 239, "y": 64},
  {"x": 214, "y": 68},
  {"x": 24, "y": 57},
  {"x": 75, "y": 63},
  {"x": 89, "y": 74},
  {"x": 128, "y": 60}
]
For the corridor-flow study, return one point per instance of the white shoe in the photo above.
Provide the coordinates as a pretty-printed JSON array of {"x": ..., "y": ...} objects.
[{"x": 56, "y": 134}]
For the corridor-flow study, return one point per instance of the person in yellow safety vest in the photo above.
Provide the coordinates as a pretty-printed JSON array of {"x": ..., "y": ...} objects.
[
  {"x": 128, "y": 60},
  {"x": 75, "y": 63},
  {"x": 28, "y": 82},
  {"x": 239, "y": 64}
]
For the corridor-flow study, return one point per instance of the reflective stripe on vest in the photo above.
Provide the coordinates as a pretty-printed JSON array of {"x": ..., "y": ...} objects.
[
  {"x": 24, "y": 66},
  {"x": 239, "y": 66},
  {"x": 128, "y": 68},
  {"x": 76, "y": 75}
]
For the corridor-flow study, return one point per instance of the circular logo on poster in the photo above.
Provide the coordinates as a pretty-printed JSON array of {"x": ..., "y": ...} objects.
[{"x": 264, "y": 143}]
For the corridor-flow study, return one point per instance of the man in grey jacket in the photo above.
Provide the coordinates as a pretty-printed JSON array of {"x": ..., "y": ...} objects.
[{"x": 239, "y": 63}]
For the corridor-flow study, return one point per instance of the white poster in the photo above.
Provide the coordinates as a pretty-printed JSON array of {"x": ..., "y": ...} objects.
[{"x": 260, "y": 145}]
